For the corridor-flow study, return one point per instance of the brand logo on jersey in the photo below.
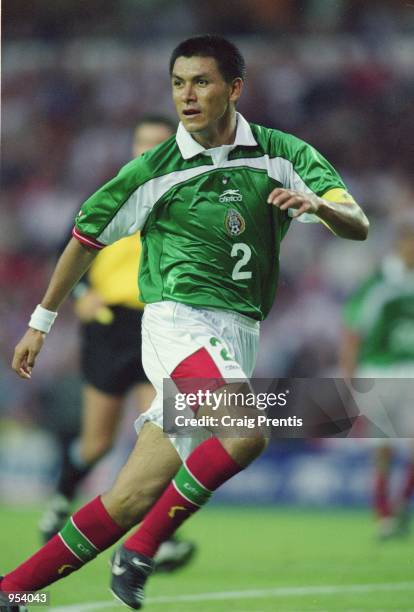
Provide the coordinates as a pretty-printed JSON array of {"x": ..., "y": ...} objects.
[
  {"x": 234, "y": 222},
  {"x": 231, "y": 195}
]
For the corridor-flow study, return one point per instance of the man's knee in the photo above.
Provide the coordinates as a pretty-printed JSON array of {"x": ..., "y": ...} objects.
[
  {"x": 128, "y": 502},
  {"x": 245, "y": 450},
  {"x": 148, "y": 471}
]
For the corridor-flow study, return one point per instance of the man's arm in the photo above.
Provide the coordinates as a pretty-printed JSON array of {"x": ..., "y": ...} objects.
[
  {"x": 345, "y": 219},
  {"x": 72, "y": 264}
]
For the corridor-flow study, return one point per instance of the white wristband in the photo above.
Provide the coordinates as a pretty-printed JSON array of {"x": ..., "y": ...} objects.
[{"x": 42, "y": 319}]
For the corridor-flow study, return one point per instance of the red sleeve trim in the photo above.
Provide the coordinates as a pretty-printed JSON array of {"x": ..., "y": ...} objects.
[{"x": 87, "y": 240}]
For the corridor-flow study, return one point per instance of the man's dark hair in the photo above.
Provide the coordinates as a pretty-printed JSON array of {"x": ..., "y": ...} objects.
[
  {"x": 229, "y": 59},
  {"x": 158, "y": 120}
]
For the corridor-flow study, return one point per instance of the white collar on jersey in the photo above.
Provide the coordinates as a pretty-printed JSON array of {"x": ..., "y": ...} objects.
[{"x": 190, "y": 148}]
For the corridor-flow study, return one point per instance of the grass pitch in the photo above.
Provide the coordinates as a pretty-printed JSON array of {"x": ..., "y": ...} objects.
[{"x": 249, "y": 560}]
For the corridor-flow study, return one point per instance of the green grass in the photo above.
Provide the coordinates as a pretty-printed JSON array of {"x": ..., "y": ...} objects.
[{"x": 250, "y": 548}]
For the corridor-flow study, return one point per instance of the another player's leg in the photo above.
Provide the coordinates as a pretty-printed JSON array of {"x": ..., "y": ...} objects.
[
  {"x": 99, "y": 524},
  {"x": 402, "y": 509},
  {"x": 100, "y": 418},
  {"x": 209, "y": 466},
  {"x": 382, "y": 502}
]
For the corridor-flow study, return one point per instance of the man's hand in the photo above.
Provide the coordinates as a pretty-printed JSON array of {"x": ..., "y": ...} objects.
[
  {"x": 344, "y": 218},
  {"x": 72, "y": 264},
  {"x": 301, "y": 202},
  {"x": 88, "y": 306},
  {"x": 26, "y": 352}
]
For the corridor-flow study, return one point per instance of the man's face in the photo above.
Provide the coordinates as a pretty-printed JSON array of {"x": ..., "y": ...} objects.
[
  {"x": 149, "y": 135},
  {"x": 200, "y": 94}
]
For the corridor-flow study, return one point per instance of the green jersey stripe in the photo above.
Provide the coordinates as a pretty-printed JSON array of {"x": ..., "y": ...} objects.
[
  {"x": 279, "y": 169},
  {"x": 140, "y": 204},
  {"x": 133, "y": 204}
]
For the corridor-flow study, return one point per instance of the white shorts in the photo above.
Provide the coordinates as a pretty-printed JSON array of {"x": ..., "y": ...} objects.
[{"x": 187, "y": 342}]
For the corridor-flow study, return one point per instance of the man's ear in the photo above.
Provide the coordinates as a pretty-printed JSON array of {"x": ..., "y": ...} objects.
[{"x": 236, "y": 89}]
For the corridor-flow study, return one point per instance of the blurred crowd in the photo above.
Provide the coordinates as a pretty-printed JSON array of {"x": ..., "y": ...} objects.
[
  {"x": 76, "y": 78},
  {"x": 146, "y": 19}
]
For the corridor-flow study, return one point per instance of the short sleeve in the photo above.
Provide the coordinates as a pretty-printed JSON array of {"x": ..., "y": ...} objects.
[
  {"x": 310, "y": 172},
  {"x": 118, "y": 209}
]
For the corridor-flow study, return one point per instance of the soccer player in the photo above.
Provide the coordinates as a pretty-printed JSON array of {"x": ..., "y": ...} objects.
[
  {"x": 110, "y": 314},
  {"x": 378, "y": 342},
  {"x": 212, "y": 204}
]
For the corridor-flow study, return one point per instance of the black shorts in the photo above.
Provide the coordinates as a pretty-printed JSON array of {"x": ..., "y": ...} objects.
[{"x": 111, "y": 354}]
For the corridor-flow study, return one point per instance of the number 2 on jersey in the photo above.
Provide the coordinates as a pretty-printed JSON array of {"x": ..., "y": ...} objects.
[{"x": 246, "y": 252}]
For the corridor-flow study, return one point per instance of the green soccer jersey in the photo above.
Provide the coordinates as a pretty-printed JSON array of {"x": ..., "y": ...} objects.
[
  {"x": 209, "y": 237},
  {"x": 382, "y": 313}
]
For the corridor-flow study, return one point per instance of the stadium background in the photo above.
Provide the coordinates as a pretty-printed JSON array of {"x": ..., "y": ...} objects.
[{"x": 77, "y": 76}]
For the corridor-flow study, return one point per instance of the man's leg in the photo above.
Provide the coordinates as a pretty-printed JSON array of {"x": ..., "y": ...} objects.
[
  {"x": 382, "y": 503},
  {"x": 175, "y": 552},
  {"x": 402, "y": 509},
  {"x": 103, "y": 521},
  {"x": 210, "y": 465},
  {"x": 101, "y": 414},
  {"x": 190, "y": 345}
]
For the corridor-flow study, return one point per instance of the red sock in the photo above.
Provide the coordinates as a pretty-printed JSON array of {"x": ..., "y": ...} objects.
[
  {"x": 87, "y": 533},
  {"x": 208, "y": 467},
  {"x": 381, "y": 500},
  {"x": 408, "y": 489}
]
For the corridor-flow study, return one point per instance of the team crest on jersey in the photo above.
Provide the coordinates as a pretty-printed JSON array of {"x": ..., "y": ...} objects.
[
  {"x": 231, "y": 195},
  {"x": 234, "y": 222}
]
